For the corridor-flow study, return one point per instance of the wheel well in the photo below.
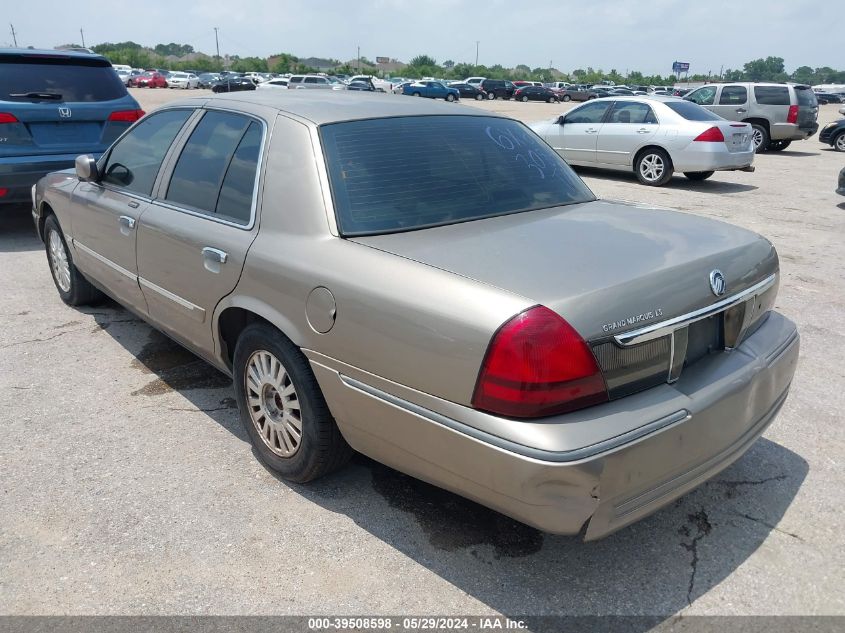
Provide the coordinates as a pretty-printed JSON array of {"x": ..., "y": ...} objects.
[
  {"x": 46, "y": 210},
  {"x": 648, "y": 147},
  {"x": 762, "y": 122},
  {"x": 231, "y": 323}
]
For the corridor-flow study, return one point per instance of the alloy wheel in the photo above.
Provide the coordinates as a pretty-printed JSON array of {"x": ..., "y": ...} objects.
[
  {"x": 274, "y": 406},
  {"x": 757, "y": 137},
  {"x": 840, "y": 142},
  {"x": 652, "y": 167},
  {"x": 59, "y": 261}
]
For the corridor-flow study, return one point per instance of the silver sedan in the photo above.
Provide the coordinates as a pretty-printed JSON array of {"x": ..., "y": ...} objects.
[{"x": 654, "y": 136}]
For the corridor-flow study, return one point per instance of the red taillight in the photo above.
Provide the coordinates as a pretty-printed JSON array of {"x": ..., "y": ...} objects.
[
  {"x": 538, "y": 365},
  {"x": 792, "y": 116},
  {"x": 5, "y": 117},
  {"x": 3, "y": 192},
  {"x": 126, "y": 115},
  {"x": 712, "y": 135}
]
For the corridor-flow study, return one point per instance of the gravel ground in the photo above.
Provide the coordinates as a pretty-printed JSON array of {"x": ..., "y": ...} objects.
[{"x": 128, "y": 486}]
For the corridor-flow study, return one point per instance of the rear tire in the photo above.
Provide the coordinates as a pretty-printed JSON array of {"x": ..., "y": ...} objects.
[
  {"x": 760, "y": 138},
  {"x": 318, "y": 448},
  {"x": 491, "y": 96},
  {"x": 566, "y": 98},
  {"x": 698, "y": 175},
  {"x": 653, "y": 167},
  {"x": 479, "y": 97},
  {"x": 71, "y": 285},
  {"x": 524, "y": 99},
  {"x": 839, "y": 142}
]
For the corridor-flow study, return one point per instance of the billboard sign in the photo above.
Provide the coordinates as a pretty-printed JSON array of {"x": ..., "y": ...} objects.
[
  {"x": 680, "y": 67},
  {"x": 382, "y": 60}
]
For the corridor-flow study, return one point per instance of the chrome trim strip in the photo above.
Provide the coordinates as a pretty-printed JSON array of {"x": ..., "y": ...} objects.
[
  {"x": 200, "y": 312},
  {"x": 104, "y": 260},
  {"x": 577, "y": 454},
  {"x": 657, "y": 330}
]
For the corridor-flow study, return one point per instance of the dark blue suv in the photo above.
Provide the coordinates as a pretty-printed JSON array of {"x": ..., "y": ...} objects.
[{"x": 54, "y": 106}]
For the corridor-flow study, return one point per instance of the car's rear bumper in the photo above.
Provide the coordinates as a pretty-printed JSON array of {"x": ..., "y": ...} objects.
[
  {"x": 19, "y": 173},
  {"x": 711, "y": 157},
  {"x": 684, "y": 434},
  {"x": 791, "y": 132}
]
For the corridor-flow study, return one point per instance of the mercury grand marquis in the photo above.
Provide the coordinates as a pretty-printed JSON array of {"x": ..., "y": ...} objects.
[{"x": 433, "y": 286}]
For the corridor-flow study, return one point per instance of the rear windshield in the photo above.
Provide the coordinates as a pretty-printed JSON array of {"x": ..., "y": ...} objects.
[
  {"x": 771, "y": 95},
  {"x": 72, "y": 80},
  {"x": 805, "y": 96},
  {"x": 405, "y": 173},
  {"x": 691, "y": 111}
]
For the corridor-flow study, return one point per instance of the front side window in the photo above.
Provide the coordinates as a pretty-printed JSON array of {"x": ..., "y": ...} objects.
[
  {"x": 134, "y": 161},
  {"x": 399, "y": 174},
  {"x": 631, "y": 112},
  {"x": 589, "y": 113},
  {"x": 702, "y": 96},
  {"x": 216, "y": 171},
  {"x": 733, "y": 95}
]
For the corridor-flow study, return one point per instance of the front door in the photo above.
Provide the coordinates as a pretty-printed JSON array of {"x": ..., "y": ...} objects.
[
  {"x": 628, "y": 127},
  {"x": 193, "y": 240},
  {"x": 578, "y": 132},
  {"x": 105, "y": 214}
]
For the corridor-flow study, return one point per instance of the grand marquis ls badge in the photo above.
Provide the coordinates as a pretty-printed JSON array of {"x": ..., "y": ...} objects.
[{"x": 717, "y": 282}]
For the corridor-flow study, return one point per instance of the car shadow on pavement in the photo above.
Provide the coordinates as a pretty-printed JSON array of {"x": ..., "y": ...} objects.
[
  {"x": 656, "y": 567},
  {"x": 17, "y": 232},
  {"x": 712, "y": 185}
]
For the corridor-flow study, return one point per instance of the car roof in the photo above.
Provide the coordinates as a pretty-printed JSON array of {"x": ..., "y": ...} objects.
[
  {"x": 49, "y": 52},
  {"x": 639, "y": 98},
  {"x": 322, "y": 107}
]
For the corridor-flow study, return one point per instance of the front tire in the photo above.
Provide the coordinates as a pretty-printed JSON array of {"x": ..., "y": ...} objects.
[
  {"x": 698, "y": 175},
  {"x": 417, "y": 94},
  {"x": 839, "y": 142},
  {"x": 524, "y": 99},
  {"x": 654, "y": 167},
  {"x": 566, "y": 98},
  {"x": 760, "y": 137},
  {"x": 282, "y": 408},
  {"x": 479, "y": 97},
  {"x": 73, "y": 288},
  {"x": 491, "y": 96},
  {"x": 450, "y": 97}
]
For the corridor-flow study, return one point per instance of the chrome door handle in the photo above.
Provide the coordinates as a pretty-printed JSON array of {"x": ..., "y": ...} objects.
[
  {"x": 643, "y": 130},
  {"x": 134, "y": 204},
  {"x": 591, "y": 131},
  {"x": 127, "y": 222},
  {"x": 215, "y": 255},
  {"x": 741, "y": 110}
]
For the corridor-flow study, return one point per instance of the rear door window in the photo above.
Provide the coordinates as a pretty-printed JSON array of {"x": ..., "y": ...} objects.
[
  {"x": 134, "y": 161},
  {"x": 58, "y": 79},
  {"x": 733, "y": 95},
  {"x": 771, "y": 95},
  {"x": 692, "y": 111},
  {"x": 216, "y": 171},
  {"x": 631, "y": 112}
]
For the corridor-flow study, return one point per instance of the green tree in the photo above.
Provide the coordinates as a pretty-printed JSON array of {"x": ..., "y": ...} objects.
[
  {"x": 423, "y": 60},
  {"x": 769, "y": 69},
  {"x": 448, "y": 64},
  {"x": 177, "y": 50}
]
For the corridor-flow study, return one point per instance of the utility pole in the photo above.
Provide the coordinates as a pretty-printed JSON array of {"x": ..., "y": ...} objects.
[
  {"x": 477, "y": 42},
  {"x": 720, "y": 71},
  {"x": 82, "y": 35},
  {"x": 216, "y": 42},
  {"x": 14, "y": 35},
  {"x": 359, "y": 60}
]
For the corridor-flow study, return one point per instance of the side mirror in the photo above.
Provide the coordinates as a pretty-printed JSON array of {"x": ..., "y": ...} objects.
[
  {"x": 561, "y": 119},
  {"x": 86, "y": 168}
]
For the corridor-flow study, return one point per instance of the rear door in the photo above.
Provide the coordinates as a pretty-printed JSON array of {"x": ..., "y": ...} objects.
[
  {"x": 731, "y": 103},
  {"x": 629, "y": 126},
  {"x": 193, "y": 240},
  {"x": 577, "y": 136},
  {"x": 105, "y": 214},
  {"x": 61, "y": 104}
]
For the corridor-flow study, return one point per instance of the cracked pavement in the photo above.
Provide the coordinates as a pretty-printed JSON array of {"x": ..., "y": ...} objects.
[{"x": 128, "y": 487}]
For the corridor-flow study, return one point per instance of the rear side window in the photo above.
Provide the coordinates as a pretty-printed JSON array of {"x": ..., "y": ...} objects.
[
  {"x": 771, "y": 95},
  {"x": 805, "y": 97},
  {"x": 399, "y": 174},
  {"x": 68, "y": 79},
  {"x": 134, "y": 161},
  {"x": 216, "y": 171},
  {"x": 733, "y": 95},
  {"x": 691, "y": 111},
  {"x": 631, "y": 112}
]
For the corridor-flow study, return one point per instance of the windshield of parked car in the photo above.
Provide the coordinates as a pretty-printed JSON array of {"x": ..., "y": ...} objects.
[
  {"x": 70, "y": 80},
  {"x": 692, "y": 111},
  {"x": 405, "y": 173}
]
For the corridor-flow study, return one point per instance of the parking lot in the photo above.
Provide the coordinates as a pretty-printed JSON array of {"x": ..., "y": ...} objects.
[{"x": 129, "y": 486}]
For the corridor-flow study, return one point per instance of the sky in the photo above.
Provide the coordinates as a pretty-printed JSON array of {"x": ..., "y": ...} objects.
[{"x": 644, "y": 35}]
